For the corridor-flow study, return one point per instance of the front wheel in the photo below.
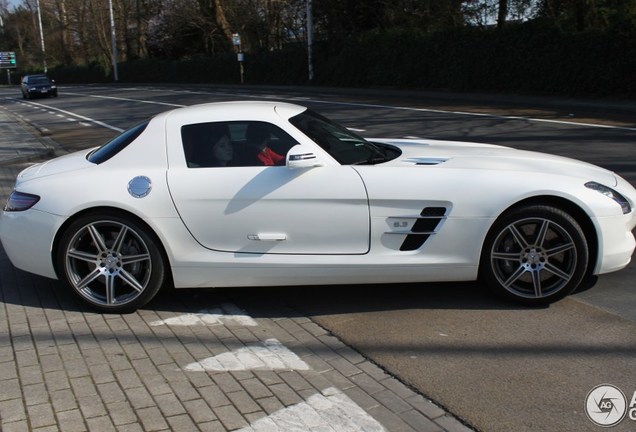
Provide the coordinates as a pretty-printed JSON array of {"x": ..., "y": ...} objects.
[
  {"x": 535, "y": 255},
  {"x": 111, "y": 262}
]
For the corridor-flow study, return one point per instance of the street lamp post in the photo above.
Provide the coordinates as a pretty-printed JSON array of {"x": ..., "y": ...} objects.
[
  {"x": 310, "y": 41},
  {"x": 113, "y": 40},
  {"x": 41, "y": 35}
]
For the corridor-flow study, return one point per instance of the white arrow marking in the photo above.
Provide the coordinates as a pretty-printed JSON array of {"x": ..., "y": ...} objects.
[
  {"x": 269, "y": 355},
  {"x": 228, "y": 314},
  {"x": 331, "y": 411}
]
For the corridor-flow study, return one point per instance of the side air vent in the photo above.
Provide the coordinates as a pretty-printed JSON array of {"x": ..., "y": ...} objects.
[
  {"x": 414, "y": 241},
  {"x": 424, "y": 227},
  {"x": 434, "y": 211}
]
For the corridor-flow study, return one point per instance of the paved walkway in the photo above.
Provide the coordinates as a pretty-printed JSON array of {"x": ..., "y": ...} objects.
[
  {"x": 186, "y": 362},
  {"x": 19, "y": 141}
]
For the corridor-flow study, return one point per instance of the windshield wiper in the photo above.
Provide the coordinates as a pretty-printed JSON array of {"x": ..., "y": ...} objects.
[
  {"x": 379, "y": 157},
  {"x": 370, "y": 161}
]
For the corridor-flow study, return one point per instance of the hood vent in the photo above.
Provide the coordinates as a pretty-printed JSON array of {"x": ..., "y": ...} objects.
[{"x": 426, "y": 160}]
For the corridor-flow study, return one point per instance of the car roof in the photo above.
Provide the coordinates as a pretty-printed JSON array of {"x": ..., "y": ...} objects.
[{"x": 235, "y": 110}]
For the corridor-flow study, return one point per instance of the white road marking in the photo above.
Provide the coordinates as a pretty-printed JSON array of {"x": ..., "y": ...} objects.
[
  {"x": 331, "y": 411},
  {"x": 473, "y": 114},
  {"x": 127, "y": 99},
  {"x": 318, "y": 101},
  {"x": 79, "y": 116},
  {"x": 268, "y": 355},
  {"x": 227, "y": 314},
  {"x": 428, "y": 110}
]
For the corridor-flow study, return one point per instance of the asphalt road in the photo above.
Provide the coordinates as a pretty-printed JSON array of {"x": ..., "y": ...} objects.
[{"x": 496, "y": 366}]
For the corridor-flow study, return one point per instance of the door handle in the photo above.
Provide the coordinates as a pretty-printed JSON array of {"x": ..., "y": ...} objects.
[{"x": 267, "y": 237}]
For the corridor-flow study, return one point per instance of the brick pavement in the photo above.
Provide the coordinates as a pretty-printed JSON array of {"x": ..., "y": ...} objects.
[{"x": 186, "y": 362}]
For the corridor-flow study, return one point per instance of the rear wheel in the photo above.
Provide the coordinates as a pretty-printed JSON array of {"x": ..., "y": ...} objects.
[
  {"x": 111, "y": 262},
  {"x": 535, "y": 255}
]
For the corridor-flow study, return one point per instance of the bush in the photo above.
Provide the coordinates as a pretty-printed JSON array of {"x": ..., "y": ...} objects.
[{"x": 525, "y": 58}]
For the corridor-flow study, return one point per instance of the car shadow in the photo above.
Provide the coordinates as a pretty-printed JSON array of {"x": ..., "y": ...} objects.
[
  {"x": 21, "y": 288},
  {"x": 303, "y": 301}
]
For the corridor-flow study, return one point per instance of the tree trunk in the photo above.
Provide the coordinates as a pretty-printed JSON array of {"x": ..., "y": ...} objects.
[
  {"x": 502, "y": 13},
  {"x": 221, "y": 20}
]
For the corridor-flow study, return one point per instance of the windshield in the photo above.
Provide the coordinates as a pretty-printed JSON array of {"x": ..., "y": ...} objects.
[
  {"x": 40, "y": 80},
  {"x": 343, "y": 145}
]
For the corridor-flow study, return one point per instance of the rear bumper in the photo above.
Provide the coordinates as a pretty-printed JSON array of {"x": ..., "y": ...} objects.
[{"x": 27, "y": 238}]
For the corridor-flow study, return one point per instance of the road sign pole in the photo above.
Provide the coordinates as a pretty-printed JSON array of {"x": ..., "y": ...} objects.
[{"x": 240, "y": 56}]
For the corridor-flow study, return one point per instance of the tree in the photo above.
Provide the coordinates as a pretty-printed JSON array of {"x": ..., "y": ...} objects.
[{"x": 581, "y": 15}]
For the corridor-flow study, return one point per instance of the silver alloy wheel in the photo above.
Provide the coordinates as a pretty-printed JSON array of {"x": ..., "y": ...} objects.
[
  {"x": 534, "y": 258},
  {"x": 108, "y": 263}
]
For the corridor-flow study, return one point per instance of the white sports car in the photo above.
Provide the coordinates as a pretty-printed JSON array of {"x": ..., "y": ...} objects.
[{"x": 268, "y": 193}]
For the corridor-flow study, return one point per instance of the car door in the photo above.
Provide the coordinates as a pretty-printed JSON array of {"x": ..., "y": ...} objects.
[{"x": 248, "y": 208}]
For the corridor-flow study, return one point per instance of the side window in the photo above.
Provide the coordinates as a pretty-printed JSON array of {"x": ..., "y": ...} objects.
[
  {"x": 207, "y": 145},
  {"x": 264, "y": 144},
  {"x": 239, "y": 143},
  {"x": 117, "y": 144}
]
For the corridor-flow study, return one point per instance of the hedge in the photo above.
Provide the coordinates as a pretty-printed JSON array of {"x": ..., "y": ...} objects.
[{"x": 520, "y": 59}]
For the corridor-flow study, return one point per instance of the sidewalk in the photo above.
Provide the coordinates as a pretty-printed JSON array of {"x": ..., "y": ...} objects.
[
  {"x": 18, "y": 140},
  {"x": 188, "y": 361}
]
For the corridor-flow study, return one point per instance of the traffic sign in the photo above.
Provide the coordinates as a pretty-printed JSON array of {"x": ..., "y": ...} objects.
[{"x": 7, "y": 59}]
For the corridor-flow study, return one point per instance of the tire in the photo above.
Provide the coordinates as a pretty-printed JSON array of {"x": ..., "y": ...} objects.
[
  {"x": 534, "y": 255},
  {"x": 111, "y": 262}
]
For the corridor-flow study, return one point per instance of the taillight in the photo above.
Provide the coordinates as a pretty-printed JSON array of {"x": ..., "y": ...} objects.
[{"x": 20, "y": 201}]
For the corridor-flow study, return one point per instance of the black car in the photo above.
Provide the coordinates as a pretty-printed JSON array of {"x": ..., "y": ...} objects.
[{"x": 38, "y": 85}]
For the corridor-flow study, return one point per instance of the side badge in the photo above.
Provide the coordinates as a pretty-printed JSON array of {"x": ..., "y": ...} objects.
[{"x": 140, "y": 186}]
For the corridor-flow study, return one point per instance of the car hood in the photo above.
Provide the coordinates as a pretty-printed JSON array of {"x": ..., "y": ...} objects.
[
  {"x": 71, "y": 162},
  {"x": 465, "y": 155}
]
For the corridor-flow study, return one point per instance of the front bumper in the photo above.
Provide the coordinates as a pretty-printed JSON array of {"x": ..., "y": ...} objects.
[
  {"x": 617, "y": 242},
  {"x": 43, "y": 92}
]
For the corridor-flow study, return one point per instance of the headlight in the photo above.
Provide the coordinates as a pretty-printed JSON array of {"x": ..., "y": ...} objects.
[
  {"x": 611, "y": 193},
  {"x": 19, "y": 201}
]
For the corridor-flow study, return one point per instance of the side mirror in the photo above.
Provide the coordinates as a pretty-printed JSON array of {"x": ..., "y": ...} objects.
[{"x": 302, "y": 157}]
